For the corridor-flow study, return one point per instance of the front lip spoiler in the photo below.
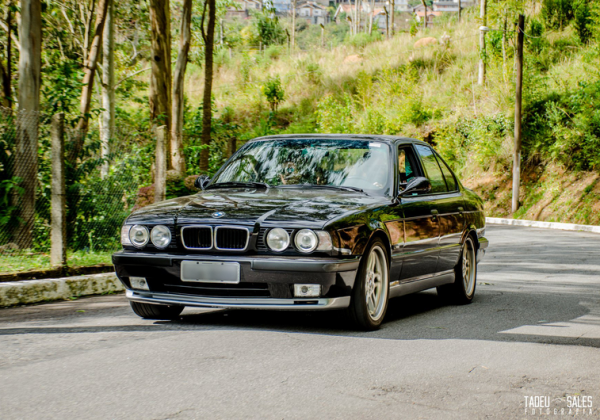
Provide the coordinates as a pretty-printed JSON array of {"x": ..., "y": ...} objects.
[{"x": 242, "y": 303}]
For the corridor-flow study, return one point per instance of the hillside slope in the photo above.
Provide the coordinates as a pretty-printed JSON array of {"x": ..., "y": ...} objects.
[{"x": 391, "y": 87}]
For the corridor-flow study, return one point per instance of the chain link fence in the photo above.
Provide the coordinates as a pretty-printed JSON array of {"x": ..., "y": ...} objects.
[{"x": 102, "y": 182}]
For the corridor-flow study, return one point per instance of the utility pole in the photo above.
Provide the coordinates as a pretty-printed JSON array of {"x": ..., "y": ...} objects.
[
  {"x": 393, "y": 8},
  {"x": 483, "y": 15},
  {"x": 518, "y": 99}
]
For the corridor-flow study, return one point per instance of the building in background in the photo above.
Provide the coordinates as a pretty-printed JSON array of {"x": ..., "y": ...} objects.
[
  {"x": 313, "y": 12},
  {"x": 242, "y": 9}
]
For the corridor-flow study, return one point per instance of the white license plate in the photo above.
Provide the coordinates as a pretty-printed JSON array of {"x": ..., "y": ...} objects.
[{"x": 210, "y": 272}]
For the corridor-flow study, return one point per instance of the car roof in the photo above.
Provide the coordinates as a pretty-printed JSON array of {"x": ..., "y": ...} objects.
[{"x": 367, "y": 137}]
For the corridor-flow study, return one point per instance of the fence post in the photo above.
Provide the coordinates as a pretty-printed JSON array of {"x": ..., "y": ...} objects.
[
  {"x": 160, "y": 174},
  {"x": 58, "y": 235},
  {"x": 232, "y": 147}
]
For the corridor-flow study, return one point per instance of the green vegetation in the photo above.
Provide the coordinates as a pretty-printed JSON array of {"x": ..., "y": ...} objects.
[
  {"x": 333, "y": 82},
  {"x": 18, "y": 262}
]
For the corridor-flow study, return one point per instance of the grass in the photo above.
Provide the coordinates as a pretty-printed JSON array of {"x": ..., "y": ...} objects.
[{"x": 24, "y": 261}]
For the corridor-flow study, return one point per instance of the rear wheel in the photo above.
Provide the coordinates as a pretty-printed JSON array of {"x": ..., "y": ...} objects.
[
  {"x": 462, "y": 290},
  {"x": 148, "y": 311},
  {"x": 371, "y": 288}
]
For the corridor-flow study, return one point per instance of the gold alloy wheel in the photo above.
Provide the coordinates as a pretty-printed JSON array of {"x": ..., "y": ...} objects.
[
  {"x": 376, "y": 283},
  {"x": 468, "y": 267}
]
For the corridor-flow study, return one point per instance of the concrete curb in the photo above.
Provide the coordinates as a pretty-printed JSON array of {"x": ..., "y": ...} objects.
[
  {"x": 34, "y": 291},
  {"x": 543, "y": 225}
]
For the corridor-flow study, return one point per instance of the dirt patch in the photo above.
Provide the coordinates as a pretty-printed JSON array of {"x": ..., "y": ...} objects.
[{"x": 548, "y": 193}]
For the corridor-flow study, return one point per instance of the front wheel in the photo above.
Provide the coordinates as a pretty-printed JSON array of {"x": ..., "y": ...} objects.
[
  {"x": 161, "y": 312},
  {"x": 371, "y": 288},
  {"x": 462, "y": 290}
]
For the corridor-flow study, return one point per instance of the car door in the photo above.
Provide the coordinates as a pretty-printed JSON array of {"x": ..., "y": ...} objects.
[
  {"x": 446, "y": 203},
  {"x": 421, "y": 227},
  {"x": 452, "y": 220}
]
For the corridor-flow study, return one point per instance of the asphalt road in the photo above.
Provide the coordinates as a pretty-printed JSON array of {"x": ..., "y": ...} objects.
[{"x": 533, "y": 330}]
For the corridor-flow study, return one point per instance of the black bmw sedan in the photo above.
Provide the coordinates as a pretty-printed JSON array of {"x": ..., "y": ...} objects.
[{"x": 308, "y": 222}]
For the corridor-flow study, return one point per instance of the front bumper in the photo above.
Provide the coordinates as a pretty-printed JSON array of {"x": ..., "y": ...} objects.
[
  {"x": 247, "y": 303},
  {"x": 483, "y": 244},
  {"x": 266, "y": 282}
]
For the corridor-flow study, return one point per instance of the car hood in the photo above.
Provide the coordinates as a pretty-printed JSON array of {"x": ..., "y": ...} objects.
[{"x": 290, "y": 206}]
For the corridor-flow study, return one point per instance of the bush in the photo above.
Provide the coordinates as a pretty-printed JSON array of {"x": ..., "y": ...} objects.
[
  {"x": 565, "y": 127},
  {"x": 583, "y": 21},
  {"x": 273, "y": 92},
  {"x": 557, "y": 13},
  {"x": 361, "y": 40}
]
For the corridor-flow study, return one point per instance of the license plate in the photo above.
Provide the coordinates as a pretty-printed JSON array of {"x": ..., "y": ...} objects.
[{"x": 210, "y": 272}]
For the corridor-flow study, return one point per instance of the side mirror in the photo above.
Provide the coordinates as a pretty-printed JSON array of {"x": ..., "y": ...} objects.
[
  {"x": 418, "y": 185},
  {"x": 201, "y": 182}
]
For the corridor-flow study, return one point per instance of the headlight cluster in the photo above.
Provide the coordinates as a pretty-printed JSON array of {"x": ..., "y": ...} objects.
[
  {"x": 139, "y": 236},
  {"x": 306, "y": 240}
]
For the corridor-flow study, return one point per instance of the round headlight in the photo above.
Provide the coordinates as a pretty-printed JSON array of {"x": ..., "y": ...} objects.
[
  {"x": 160, "y": 236},
  {"x": 278, "y": 239},
  {"x": 139, "y": 236},
  {"x": 306, "y": 240}
]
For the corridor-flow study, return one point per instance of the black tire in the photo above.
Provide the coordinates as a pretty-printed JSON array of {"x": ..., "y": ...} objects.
[
  {"x": 462, "y": 291},
  {"x": 163, "y": 312},
  {"x": 369, "y": 316}
]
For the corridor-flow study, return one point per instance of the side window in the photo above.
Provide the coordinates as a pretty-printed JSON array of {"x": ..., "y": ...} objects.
[
  {"x": 434, "y": 173},
  {"x": 450, "y": 181},
  {"x": 407, "y": 167}
]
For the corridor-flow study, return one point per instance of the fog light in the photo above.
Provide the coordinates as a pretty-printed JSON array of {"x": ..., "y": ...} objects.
[
  {"x": 139, "y": 283},
  {"x": 307, "y": 290}
]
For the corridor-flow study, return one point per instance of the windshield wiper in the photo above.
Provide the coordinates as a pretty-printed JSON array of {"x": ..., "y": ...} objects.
[
  {"x": 334, "y": 187},
  {"x": 239, "y": 185}
]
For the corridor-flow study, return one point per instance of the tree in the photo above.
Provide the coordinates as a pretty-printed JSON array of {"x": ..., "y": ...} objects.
[
  {"x": 177, "y": 158},
  {"x": 26, "y": 147},
  {"x": 89, "y": 68},
  {"x": 160, "y": 80},
  {"x": 293, "y": 43},
  {"x": 108, "y": 84},
  {"x": 583, "y": 21},
  {"x": 6, "y": 72},
  {"x": 557, "y": 13},
  {"x": 208, "y": 35},
  {"x": 425, "y": 6}
]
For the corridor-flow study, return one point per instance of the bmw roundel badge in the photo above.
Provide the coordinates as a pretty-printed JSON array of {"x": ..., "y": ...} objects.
[{"x": 218, "y": 214}]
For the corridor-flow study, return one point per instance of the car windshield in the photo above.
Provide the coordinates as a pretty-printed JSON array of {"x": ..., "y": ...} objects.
[{"x": 357, "y": 164}]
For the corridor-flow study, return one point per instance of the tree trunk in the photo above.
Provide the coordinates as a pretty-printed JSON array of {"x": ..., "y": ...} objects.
[
  {"x": 518, "y": 109},
  {"x": 26, "y": 165},
  {"x": 293, "y": 24},
  {"x": 160, "y": 81},
  {"x": 393, "y": 10},
  {"x": 6, "y": 74},
  {"x": 88, "y": 81},
  {"x": 108, "y": 82},
  {"x": 371, "y": 9},
  {"x": 209, "y": 42},
  {"x": 483, "y": 16},
  {"x": 459, "y": 10},
  {"x": 425, "y": 6},
  {"x": 504, "y": 48},
  {"x": 177, "y": 158}
]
